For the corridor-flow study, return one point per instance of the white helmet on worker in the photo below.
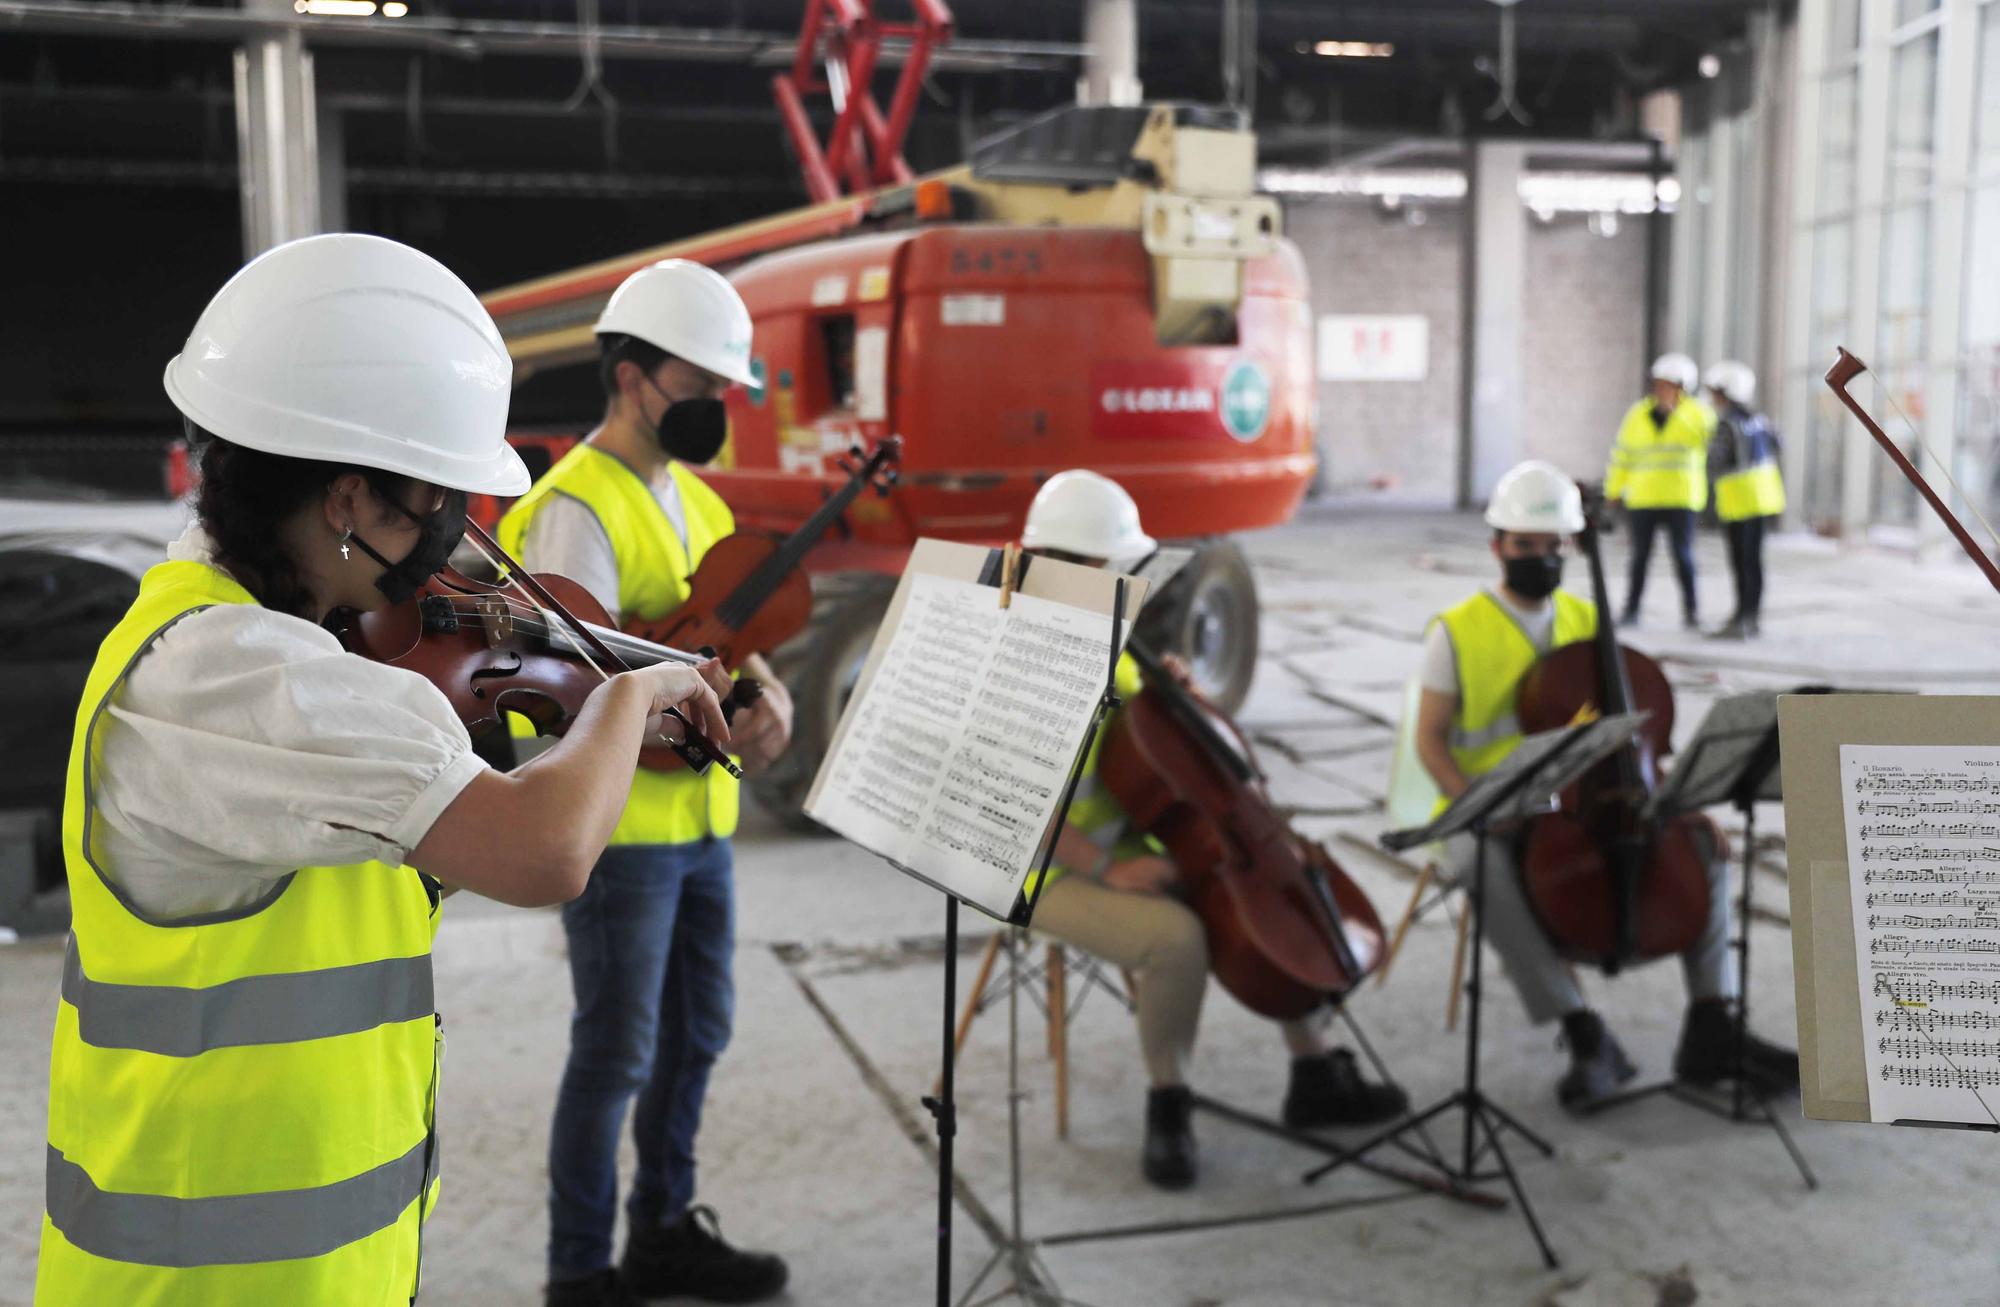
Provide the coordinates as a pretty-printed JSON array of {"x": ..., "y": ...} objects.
[
  {"x": 1536, "y": 497},
  {"x": 1736, "y": 382},
  {"x": 354, "y": 349},
  {"x": 1080, "y": 512},
  {"x": 1679, "y": 369},
  {"x": 688, "y": 310}
]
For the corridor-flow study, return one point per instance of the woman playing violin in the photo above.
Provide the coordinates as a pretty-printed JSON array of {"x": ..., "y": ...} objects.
[{"x": 260, "y": 826}]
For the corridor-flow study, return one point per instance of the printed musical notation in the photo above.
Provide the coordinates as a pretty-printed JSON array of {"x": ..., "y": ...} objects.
[
  {"x": 1925, "y": 886},
  {"x": 957, "y": 751}
]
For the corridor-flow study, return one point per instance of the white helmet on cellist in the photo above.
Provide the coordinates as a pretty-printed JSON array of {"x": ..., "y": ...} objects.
[
  {"x": 687, "y": 309},
  {"x": 1081, "y": 512},
  {"x": 354, "y": 349},
  {"x": 1536, "y": 497}
]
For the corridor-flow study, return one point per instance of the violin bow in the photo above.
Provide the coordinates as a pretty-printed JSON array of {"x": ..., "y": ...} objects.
[
  {"x": 696, "y": 748},
  {"x": 1844, "y": 370}
]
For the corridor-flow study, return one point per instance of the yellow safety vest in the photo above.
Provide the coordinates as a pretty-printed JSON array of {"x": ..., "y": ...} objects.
[
  {"x": 653, "y": 569},
  {"x": 1661, "y": 467},
  {"x": 1094, "y": 811},
  {"x": 241, "y": 1103},
  {"x": 1755, "y": 491},
  {"x": 1493, "y": 653}
]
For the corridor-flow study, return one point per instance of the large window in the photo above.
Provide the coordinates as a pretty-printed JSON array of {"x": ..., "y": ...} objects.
[
  {"x": 1906, "y": 248},
  {"x": 1978, "y": 442}
]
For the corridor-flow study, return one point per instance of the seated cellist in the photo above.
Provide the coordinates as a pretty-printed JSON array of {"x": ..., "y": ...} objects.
[
  {"x": 1110, "y": 891},
  {"x": 1475, "y": 655}
]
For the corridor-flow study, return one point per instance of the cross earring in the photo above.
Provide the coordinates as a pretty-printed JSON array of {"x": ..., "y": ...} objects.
[{"x": 344, "y": 554}]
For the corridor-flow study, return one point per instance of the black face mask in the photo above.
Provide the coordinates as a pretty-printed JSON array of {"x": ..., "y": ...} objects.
[
  {"x": 438, "y": 534},
  {"x": 691, "y": 430},
  {"x": 1536, "y": 576}
]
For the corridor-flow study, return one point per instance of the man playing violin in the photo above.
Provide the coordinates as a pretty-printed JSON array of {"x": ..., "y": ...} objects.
[
  {"x": 651, "y": 939},
  {"x": 1114, "y": 896},
  {"x": 1475, "y": 655}
]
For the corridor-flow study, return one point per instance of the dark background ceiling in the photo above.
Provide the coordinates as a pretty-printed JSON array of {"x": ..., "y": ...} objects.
[{"x": 118, "y": 202}]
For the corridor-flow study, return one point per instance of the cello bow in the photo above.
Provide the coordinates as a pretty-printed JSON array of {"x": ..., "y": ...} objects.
[{"x": 1844, "y": 370}]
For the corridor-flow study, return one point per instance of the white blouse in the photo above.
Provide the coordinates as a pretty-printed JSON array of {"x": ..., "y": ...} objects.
[{"x": 246, "y": 743}]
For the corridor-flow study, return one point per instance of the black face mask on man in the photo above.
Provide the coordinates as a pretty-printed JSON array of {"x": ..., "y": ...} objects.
[
  {"x": 438, "y": 533},
  {"x": 1535, "y": 576},
  {"x": 691, "y": 430}
]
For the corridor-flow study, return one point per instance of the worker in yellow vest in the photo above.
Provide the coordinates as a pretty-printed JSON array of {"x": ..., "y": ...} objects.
[
  {"x": 651, "y": 939},
  {"x": 245, "y": 1075},
  {"x": 1111, "y": 891},
  {"x": 1475, "y": 654},
  {"x": 1749, "y": 490},
  {"x": 1659, "y": 471}
]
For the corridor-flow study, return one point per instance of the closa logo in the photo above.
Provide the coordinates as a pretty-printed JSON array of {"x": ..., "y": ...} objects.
[
  {"x": 1157, "y": 399},
  {"x": 1246, "y": 401}
]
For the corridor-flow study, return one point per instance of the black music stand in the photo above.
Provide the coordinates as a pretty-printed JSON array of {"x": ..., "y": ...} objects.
[
  {"x": 1031, "y": 1280},
  {"x": 1523, "y": 786},
  {"x": 1732, "y": 759}
]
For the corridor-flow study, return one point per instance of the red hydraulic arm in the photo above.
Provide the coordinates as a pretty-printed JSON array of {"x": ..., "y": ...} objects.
[{"x": 864, "y": 150}]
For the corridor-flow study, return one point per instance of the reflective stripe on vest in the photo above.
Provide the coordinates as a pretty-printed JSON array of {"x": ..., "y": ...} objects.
[
  {"x": 1757, "y": 491},
  {"x": 241, "y": 1102},
  {"x": 673, "y": 807},
  {"x": 182, "y": 1022},
  {"x": 1492, "y": 654},
  {"x": 1661, "y": 467}
]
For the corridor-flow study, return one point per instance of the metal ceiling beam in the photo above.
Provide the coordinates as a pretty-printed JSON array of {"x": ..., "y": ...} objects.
[
  {"x": 475, "y": 38},
  {"x": 435, "y": 181}
]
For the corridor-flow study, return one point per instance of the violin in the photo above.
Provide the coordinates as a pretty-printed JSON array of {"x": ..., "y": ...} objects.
[
  {"x": 532, "y": 645},
  {"x": 750, "y": 595},
  {"x": 1288, "y": 931},
  {"x": 1608, "y": 884}
]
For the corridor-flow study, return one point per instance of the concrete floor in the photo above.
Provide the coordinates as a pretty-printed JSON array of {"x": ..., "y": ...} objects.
[{"x": 814, "y": 1144}]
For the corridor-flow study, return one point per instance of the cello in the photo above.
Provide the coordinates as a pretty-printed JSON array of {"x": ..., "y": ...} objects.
[
  {"x": 1609, "y": 884},
  {"x": 1288, "y": 931}
]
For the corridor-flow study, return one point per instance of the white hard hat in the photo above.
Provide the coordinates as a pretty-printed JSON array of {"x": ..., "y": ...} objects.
[
  {"x": 354, "y": 349},
  {"x": 688, "y": 310},
  {"x": 1679, "y": 369},
  {"x": 1536, "y": 497},
  {"x": 1736, "y": 381},
  {"x": 1080, "y": 512}
]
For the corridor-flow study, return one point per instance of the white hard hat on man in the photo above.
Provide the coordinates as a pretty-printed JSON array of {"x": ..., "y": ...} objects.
[
  {"x": 1087, "y": 514},
  {"x": 1734, "y": 381},
  {"x": 354, "y": 349},
  {"x": 1679, "y": 369},
  {"x": 1536, "y": 497},
  {"x": 690, "y": 311}
]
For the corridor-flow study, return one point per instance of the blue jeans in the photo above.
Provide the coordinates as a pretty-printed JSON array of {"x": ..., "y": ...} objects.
[
  {"x": 1678, "y": 523},
  {"x": 650, "y": 941}
]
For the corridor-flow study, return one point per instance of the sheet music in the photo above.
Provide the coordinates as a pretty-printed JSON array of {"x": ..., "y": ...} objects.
[
  {"x": 959, "y": 751},
  {"x": 1923, "y": 849}
]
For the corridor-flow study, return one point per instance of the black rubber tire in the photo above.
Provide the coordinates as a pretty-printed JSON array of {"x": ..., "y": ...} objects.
[
  {"x": 1208, "y": 615},
  {"x": 819, "y": 668}
]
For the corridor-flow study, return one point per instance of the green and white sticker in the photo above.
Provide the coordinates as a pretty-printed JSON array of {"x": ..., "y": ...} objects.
[
  {"x": 758, "y": 381},
  {"x": 1246, "y": 401}
]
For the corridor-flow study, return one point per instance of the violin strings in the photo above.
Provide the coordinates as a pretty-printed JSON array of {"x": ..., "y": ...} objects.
[
  {"x": 548, "y": 619},
  {"x": 548, "y": 623},
  {"x": 1967, "y": 502},
  {"x": 534, "y": 623}
]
